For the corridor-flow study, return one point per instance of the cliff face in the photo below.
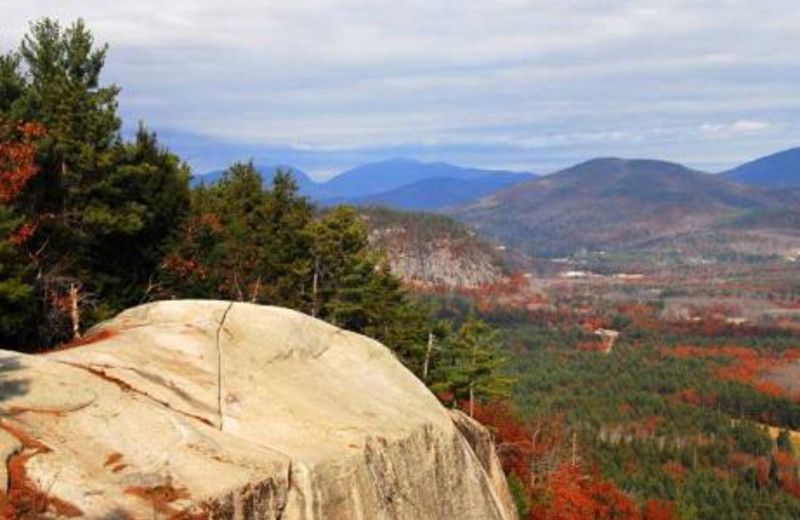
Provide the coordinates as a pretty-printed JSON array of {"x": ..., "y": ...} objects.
[
  {"x": 238, "y": 411},
  {"x": 433, "y": 250}
]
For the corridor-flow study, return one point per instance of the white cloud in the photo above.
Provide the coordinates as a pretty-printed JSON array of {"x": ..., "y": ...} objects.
[
  {"x": 742, "y": 127},
  {"x": 664, "y": 77}
]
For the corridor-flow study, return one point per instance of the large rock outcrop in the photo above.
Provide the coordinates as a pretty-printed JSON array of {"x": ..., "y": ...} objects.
[{"x": 237, "y": 411}]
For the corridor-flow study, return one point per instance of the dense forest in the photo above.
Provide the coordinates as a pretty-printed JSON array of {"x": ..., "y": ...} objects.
[{"x": 676, "y": 421}]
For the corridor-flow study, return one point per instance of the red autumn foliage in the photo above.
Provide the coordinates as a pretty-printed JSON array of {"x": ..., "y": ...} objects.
[
  {"x": 739, "y": 460},
  {"x": 693, "y": 397},
  {"x": 762, "y": 471},
  {"x": 513, "y": 292},
  {"x": 183, "y": 267},
  {"x": 641, "y": 316},
  {"x": 593, "y": 323},
  {"x": 591, "y": 346},
  {"x": 515, "y": 442},
  {"x": 676, "y": 469},
  {"x": 659, "y": 510},
  {"x": 784, "y": 460},
  {"x": 574, "y": 495},
  {"x": 23, "y": 234},
  {"x": 650, "y": 425},
  {"x": 17, "y": 158},
  {"x": 567, "y": 492},
  {"x": 743, "y": 364},
  {"x": 211, "y": 222}
]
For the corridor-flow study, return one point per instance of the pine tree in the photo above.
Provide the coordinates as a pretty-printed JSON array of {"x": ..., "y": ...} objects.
[
  {"x": 394, "y": 320},
  {"x": 338, "y": 244},
  {"x": 243, "y": 241},
  {"x": 144, "y": 198},
  {"x": 287, "y": 259},
  {"x": 12, "y": 84},
  {"x": 470, "y": 365},
  {"x": 101, "y": 208},
  {"x": 17, "y": 168}
]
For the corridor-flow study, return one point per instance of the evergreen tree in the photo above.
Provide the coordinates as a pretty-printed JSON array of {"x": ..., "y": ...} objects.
[
  {"x": 17, "y": 168},
  {"x": 242, "y": 241},
  {"x": 101, "y": 208},
  {"x": 338, "y": 245},
  {"x": 470, "y": 365},
  {"x": 396, "y": 321},
  {"x": 221, "y": 247},
  {"x": 17, "y": 302},
  {"x": 144, "y": 198},
  {"x": 12, "y": 84},
  {"x": 287, "y": 259},
  {"x": 784, "y": 441}
]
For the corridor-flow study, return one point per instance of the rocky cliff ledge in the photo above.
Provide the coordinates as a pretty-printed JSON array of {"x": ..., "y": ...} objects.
[{"x": 220, "y": 410}]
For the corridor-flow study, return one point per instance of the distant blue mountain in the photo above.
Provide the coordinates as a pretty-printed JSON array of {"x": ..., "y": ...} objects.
[
  {"x": 304, "y": 182},
  {"x": 399, "y": 183},
  {"x": 779, "y": 170},
  {"x": 385, "y": 176},
  {"x": 436, "y": 194}
]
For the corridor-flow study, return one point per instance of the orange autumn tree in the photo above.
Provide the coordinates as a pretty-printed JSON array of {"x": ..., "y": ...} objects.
[
  {"x": 17, "y": 158},
  {"x": 548, "y": 481},
  {"x": 17, "y": 168}
]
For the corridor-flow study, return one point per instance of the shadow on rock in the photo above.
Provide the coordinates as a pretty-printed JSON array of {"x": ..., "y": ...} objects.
[{"x": 11, "y": 385}]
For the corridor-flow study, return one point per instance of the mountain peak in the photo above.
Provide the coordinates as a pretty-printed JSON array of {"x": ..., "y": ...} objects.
[
  {"x": 610, "y": 203},
  {"x": 777, "y": 170}
]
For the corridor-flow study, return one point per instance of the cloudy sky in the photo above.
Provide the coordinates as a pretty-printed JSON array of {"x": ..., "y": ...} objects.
[{"x": 519, "y": 84}]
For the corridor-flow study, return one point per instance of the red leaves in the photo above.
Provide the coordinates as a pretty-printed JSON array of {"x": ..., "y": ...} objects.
[
  {"x": 592, "y": 345},
  {"x": 17, "y": 158},
  {"x": 786, "y": 466},
  {"x": 574, "y": 495},
  {"x": 210, "y": 221},
  {"x": 676, "y": 469},
  {"x": 23, "y": 234},
  {"x": 565, "y": 491},
  {"x": 659, "y": 510},
  {"x": 515, "y": 442},
  {"x": 693, "y": 397},
  {"x": 183, "y": 267},
  {"x": 745, "y": 365},
  {"x": 17, "y": 168}
]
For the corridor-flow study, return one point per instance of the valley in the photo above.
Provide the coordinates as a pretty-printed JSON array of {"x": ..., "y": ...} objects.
[
  {"x": 648, "y": 314},
  {"x": 688, "y": 413},
  {"x": 513, "y": 260}
]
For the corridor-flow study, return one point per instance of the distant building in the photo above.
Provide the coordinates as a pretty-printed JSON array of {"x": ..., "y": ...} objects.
[
  {"x": 575, "y": 274},
  {"x": 628, "y": 276}
]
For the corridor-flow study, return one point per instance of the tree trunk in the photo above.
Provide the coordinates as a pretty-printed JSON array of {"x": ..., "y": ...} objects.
[
  {"x": 314, "y": 288},
  {"x": 256, "y": 290},
  {"x": 472, "y": 384},
  {"x": 471, "y": 400},
  {"x": 574, "y": 448},
  {"x": 74, "y": 311},
  {"x": 427, "y": 357}
]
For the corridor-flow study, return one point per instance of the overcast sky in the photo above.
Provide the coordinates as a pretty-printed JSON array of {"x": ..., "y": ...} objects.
[{"x": 518, "y": 84}]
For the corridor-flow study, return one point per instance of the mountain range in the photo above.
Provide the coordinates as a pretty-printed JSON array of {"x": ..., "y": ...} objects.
[
  {"x": 601, "y": 204},
  {"x": 620, "y": 204},
  {"x": 397, "y": 183}
]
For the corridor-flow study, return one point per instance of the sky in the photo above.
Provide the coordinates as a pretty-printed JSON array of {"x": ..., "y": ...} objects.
[{"x": 527, "y": 85}]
